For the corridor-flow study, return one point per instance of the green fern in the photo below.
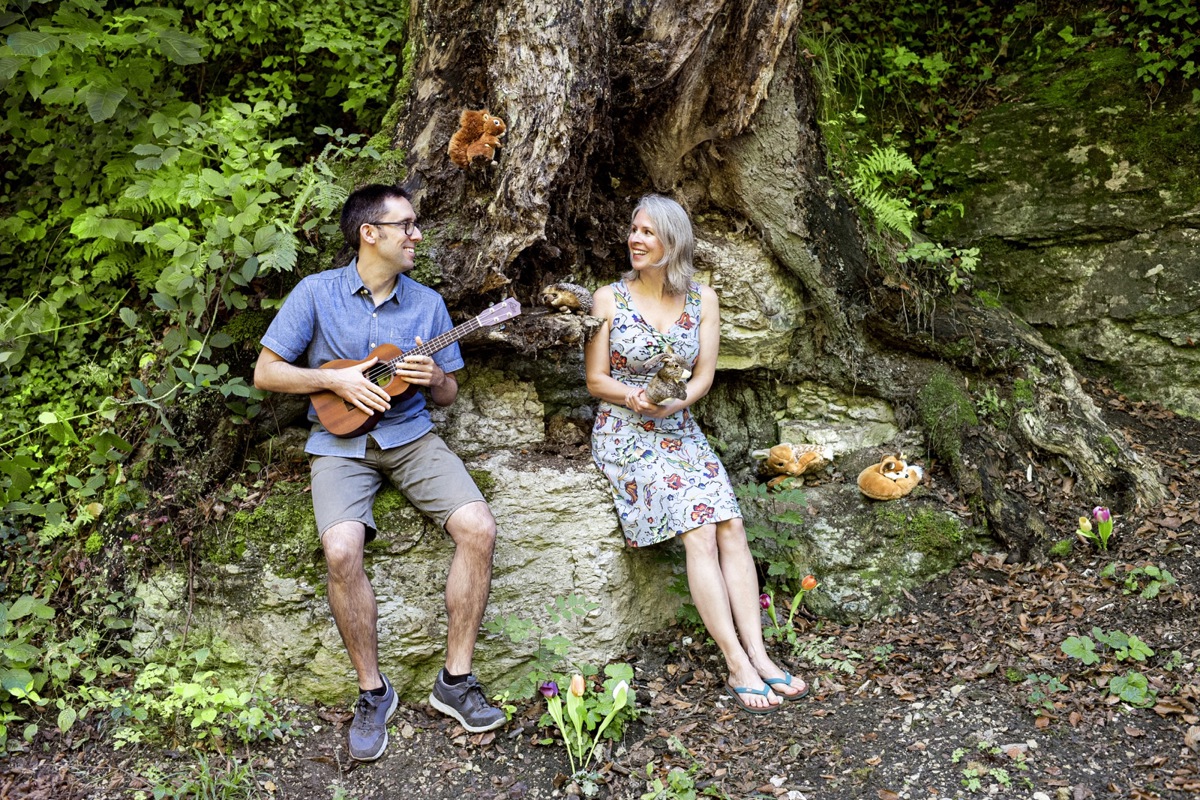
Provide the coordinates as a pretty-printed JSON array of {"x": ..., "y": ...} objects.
[{"x": 890, "y": 211}]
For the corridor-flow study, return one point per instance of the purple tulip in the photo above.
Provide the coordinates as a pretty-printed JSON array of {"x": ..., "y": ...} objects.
[
  {"x": 549, "y": 689},
  {"x": 1101, "y": 514},
  {"x": 764, "y": 600}
]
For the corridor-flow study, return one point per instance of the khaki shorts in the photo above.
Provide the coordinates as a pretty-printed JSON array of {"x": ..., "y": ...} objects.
[{"x": 426, "y": 471}]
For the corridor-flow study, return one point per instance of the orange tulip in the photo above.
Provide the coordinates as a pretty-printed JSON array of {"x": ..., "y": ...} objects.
[
  {"x": 809, "y": 583},
  {"x": 577, "y": 685}
]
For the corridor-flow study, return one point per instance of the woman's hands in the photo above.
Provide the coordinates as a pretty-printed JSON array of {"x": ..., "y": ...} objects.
[{"x": 636, "y": 400}]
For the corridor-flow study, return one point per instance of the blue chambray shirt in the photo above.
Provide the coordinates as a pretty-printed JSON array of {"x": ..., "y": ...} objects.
[{"x": 331, "y": 315}]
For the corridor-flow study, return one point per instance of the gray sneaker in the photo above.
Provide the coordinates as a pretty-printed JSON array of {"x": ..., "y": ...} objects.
[
  {"x": 368, "y": 732},
  {"x": 467, "y": 703}
]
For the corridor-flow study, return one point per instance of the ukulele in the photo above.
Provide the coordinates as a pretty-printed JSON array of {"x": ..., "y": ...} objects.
[{"x": 345, "y": 420}]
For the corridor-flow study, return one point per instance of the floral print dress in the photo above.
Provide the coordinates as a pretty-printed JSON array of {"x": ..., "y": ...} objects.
[{"x": 665, "y": 478}]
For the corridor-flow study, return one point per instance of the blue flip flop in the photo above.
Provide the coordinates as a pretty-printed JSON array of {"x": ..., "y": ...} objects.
[
  {"x": 786, "y": 680},
  {"x": 736, "y": 693}
]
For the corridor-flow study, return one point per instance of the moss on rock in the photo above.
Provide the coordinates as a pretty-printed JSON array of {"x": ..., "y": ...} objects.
[{"x": 945, "y": 409}]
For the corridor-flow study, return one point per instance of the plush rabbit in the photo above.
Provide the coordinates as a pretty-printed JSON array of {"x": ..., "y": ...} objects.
[{"x": 671, "y": 379}]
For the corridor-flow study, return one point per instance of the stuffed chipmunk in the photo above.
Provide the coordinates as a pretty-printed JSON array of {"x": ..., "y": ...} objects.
[{"x": 890, "y": 479}]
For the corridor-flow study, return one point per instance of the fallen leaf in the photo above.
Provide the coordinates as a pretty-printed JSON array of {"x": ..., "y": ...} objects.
[
  {"x": 1134, "y": 733},
  {"x": 1192, "y": 738},
  {"x": 887, "y": 794}
]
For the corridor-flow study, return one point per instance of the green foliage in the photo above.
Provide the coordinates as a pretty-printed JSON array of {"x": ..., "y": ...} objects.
[
  {"x": 1148, "y": 581},
  {"x": 161, "y": 163},
  {"x": 174, "y": 700},
  {"x": 1082, "y": 648},
  {"x": 1042, "y": 688},
  {"x": 209, "y": 779},
  {"x": 590, "y": 717},
  {"x": 678, "y": 783},
  {"x": 775, "y": 541},
  {"x": 550, "y": 654},
  {"x": 897, "y": 79},
  {"x": 869, "y": 185},
  {"x": 1165, "y": 36},
  {"x": 980, "y": 770},
  {"x": 1131, "y": 687}
]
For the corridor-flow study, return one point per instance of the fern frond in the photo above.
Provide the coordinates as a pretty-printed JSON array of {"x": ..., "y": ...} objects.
[{"x": 891, "y": 213}]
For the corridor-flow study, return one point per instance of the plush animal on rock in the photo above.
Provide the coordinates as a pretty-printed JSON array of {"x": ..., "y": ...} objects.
[
  {"x": 890, "y": 479},
  {"x": 671, "y": 379},
  {"x": 793, "y": 460},
  {"x": 477, "y": 138},
  {"x": 568, "y": 298}
]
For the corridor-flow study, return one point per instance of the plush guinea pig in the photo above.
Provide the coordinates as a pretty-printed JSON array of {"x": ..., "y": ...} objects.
[{"x": 891, "y": 478}]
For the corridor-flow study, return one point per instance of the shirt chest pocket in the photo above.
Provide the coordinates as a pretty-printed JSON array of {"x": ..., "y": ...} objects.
[{"x": 405, "y": 340}]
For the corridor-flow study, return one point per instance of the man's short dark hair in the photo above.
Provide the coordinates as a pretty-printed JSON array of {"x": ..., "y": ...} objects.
[{"x": 367, "y": 204}]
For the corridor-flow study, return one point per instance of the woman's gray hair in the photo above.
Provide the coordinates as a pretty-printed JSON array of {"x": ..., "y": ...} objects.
[{"x": 674, "y": 229}]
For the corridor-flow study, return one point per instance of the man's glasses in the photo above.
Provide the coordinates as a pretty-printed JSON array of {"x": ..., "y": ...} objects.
[{"x": 408, "y": 225}]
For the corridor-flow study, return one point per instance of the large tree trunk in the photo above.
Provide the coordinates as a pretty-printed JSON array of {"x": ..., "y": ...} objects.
[{"x": 709, "y": 102}]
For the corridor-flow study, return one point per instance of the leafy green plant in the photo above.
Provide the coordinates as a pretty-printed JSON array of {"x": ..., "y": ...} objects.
[
  {"x": 869, "y": 184},
  {"x": 1082, "y": 648},
  {"x": 825, "y": 652},
  {"x": 551, "y": 653},
  {"x": 981, "y": 768},
  {"x": 1042, "y": 688},
  {"x": 160, "y": 159},
  {"x": 678, "y": 783},
  {"x": 1165, "y": 38},
  {"x": 589, "y": 717},
  {"x": 1133, "y": 687},
  {"x": 210, "y": 779},
  {"x": 1148, "y": 581},
  {"x": 1124, "y": 646},
  {"x": 773, "y": 541},
  {"x": 785, "y": 631},
  {"x": 176, "y": 700}
]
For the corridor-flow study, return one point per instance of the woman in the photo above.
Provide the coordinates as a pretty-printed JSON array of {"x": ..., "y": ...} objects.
[{"x": 665, "y": 478}]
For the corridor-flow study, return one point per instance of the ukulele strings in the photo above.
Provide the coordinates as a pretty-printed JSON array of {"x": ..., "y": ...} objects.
[{"x": 386, "y": 369}]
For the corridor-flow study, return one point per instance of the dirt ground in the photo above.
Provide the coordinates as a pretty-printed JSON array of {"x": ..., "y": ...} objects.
[{"x": 965, "y": 693}]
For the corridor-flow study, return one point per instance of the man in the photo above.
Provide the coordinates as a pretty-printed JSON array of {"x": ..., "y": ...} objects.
[{"x": 344, "y": 314}]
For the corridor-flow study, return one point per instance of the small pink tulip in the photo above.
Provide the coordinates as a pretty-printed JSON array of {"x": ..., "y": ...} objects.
[
  {"x": 577, "y": 685},
  {"x": 1101, "y": 514}
]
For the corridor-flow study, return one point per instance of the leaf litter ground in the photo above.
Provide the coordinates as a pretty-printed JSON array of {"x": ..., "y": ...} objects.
[{"x": 965, "y": 693}]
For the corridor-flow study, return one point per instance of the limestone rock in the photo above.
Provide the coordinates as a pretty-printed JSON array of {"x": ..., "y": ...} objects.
[{"x": 558, "y": 537}]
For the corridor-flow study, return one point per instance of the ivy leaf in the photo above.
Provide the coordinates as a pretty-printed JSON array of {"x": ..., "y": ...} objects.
[
  {"x": 32, "y": 43},
  {"x": 102, "y": 103},
  {"x": 178, "y": 47}
]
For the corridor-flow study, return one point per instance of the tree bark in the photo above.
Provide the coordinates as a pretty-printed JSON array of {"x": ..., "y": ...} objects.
[{"x": 709, "y": 101}]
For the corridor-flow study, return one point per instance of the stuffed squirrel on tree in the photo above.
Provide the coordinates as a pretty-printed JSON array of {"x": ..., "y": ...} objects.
[{"x": 476, "y": 139}]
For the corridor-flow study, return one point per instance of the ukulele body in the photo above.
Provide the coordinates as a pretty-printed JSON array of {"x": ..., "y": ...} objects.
[{"x": 345, "y": 420}]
